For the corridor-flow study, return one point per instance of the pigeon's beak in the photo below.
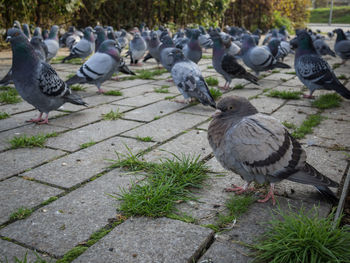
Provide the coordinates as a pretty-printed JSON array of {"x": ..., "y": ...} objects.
[
  {"x": 8, "y": 38},
  {"x": 216, "y": 113}
]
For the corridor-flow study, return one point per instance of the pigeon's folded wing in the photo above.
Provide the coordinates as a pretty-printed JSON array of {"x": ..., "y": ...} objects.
[{"x": 50, "y": 83}]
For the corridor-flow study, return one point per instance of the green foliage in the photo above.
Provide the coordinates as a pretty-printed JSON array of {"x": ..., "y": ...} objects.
[
  {"x": 307, "y": 125},
  {"x": 50, "y": 200},
  {"x": 238, "y": 86},
  {"x": 112, "y": 115},
  {"x": 303, "y": 236},
  {"x": 4, "y": 115},
  {"x": 287, "y": 95},
  {"x": 279, "y": 21},
  {"x": 21, "y": 213},
  {"x": 289, "y": 125},
  {"x": 25, "y": 259},
  {"x": 162, "y": 89},
  {"x": 113, "y": 93},
  {"x": 327, "y": 101},
  {"x": 341, "y": 15},
  {"x": 25, "y": 141},
  {"x": 144, "y": 139},
  {"x": 77, "y": 87},
  {"x": 215, "y": 93},
  {"x": 87, "y": 144},
  {"x": 9, "y": 96},
  {"x": 212, "y": 81},
  {"x": 72, "y": 254}
]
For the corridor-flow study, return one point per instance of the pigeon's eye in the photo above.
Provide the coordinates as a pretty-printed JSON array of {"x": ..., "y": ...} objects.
[{"x": 230, "y": 108}]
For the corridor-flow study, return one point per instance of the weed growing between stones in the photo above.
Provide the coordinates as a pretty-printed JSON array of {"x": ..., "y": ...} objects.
[
  {"x": 113, "y": 93},
  {"x": 21, "y": 213},
  {"x": 77, "y": 87},
  {"x": 327, "y": 101},
  {"x": 210, "y": 67},
  {"x": 275, "y": 71},
  {"x": 75, "y": 61},
  {"x": 4, "y": 115},
  {"x": 342, "y": 76},
  {"x": 25, "y": 260},
  {"x": 162, "y": 89},
  {"x": 206, "y": 57},
  {"x": 9, "y": 96},
  {"x": 307, "y": 125},
  {"x": 289, "y": 125},
  {"x": 87, "y": 144},
  {"x": 303, "y": 236},
  {"x": 238, "y": 86},
  {"x": 287, "y": 95},
  {"x": 215, "y": 93},
  {"x": 212, "y": 81},
  {"x": 25, "y": 141},
  {"x": 112, "y": 115},
  {"x": 169, "y": 97},
  {"x": 146, "y": 74},
  {"x": 144, "y": 139},
  {"x": 165, "y": 184},
  {"x": 291, "y": 73},
  {"x": 70, "y": 76}
]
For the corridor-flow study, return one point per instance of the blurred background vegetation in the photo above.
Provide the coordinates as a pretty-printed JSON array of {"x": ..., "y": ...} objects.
[{"x": 251, "y": 14}]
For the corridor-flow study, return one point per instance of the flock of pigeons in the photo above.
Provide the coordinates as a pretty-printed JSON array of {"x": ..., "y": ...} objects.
[{"x": 253, "y": 145}]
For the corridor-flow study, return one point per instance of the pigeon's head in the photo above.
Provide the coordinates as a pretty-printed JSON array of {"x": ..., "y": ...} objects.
[
  {"x": 110, "y": 47},
  {"x": 215, "y": 35},
  {"x": 202, "y": 29},
  {"x": 99, "y": 29},
  {"x": 137, "y": 36},
  {"x": 89, "y": 33},
  {"x": 247, "y": 41},
  {"x": 14, "y": 34},
  {"x": 154, "y": 35},
  {"x": 177, "y": 54},
  {"x": 16, "y": 24},
  {"x": 304, "y": 41},
  {"x": 234, "y": 105},
  {"x": 196, "y": 33},
  {"x": 71, "y": 29},
  {"x": 37, "y": 32}
]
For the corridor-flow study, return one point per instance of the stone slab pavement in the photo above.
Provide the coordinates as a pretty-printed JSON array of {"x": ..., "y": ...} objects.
[{"x": 67, "y": 184}]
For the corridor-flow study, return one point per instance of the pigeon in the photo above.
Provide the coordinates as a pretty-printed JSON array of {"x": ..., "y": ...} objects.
[
  {"x": 84, "y": 48},
  {"x": 45, "y": 34},
  {"x": 165, "y": 48},
  {"x": 204, "y": 39},
  {"x": 40, "y": 48},
  {"x": 52, "y": 42},
  {"x": 26, "y": 31},
  {"x": 314, "y": 72},
  {"x": 322, "y": 48},
  {"x": 259, "y": 148},
  {"x": 70, "y": 38},
  {"x": 137, "y": 49},
  {"x": 101, "y": 36},
  {"x": 226, "y": 64},
  {"x": 189, "y": 80},
  {"x": 122, "y": 39},
  {"x": 192, "y": 50},
  {"x": 153, "y": 47},
  {"x": 342, "y": 45},
  {"x": 35, "y": 80},
  {"x": 101, "y": 66},
  {"x": 283, "y": 50},
  {"x": 258, "y": 58},
  {"x": 37, "y": 32},
  {"x": 182, "y": 38}
]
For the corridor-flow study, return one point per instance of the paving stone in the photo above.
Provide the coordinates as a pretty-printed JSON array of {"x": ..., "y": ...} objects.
[
  {"x": 192, "y": 143},
  {"x": 29, "y": 130},
  {"x": 142, "y": 100},
  {"x": 18, "y": 160},
  {"x": 91, "y": 133},
  {"x": 166, "y": 127},
  {"x": 294, "y": 82},
  {"x": 267, "y": 105},
  {"x": 82, "y": 165},
  {"x": 17, "y": 192},
  {"x": 204, "y": 126},
  {"x": 81, "y": 118},
  {"x": 61, "y": 225},
  {"x": 11, "y": 253},
  {"x": 279, "y": 76},
  {"x": 157, "y": 109},
  {"x": 283, "y": 87},
  {"x": 131, "y": 83},
  {"x": 131, "y": 242},
  {"x": 16, "y": 108},
  {"x": 293, "y": 114},
  {"x": 340, "y": 113},
  {"x": 199, "y": 109},
  {"x": 166, "y": 82},
  {"x": 327, "y": 136},
  {"x": 223, "y": 252},
  {"x": 216, "y": 167},
  {"x": 246, "y": 92}
]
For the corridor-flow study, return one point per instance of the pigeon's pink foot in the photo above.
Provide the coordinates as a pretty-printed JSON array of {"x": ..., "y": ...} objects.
[
  {"x": 239, "y": 190},
  {"x": 101, "y": 91},
  {"x": 139, "y": 64},
  {"x": 39, "y": 119},
  {"x": 183, "y": 101},
  {"x": 115, "y": 78},
  {"x": 269, "y": 196},
  {"x": 170, "y": 80},
  {"x": 45, "y": 121},
  {"x": 225, "y": 87},
  {"x": 308, "y": 96}
]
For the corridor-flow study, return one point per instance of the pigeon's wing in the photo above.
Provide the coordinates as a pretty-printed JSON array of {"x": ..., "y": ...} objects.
[
  {"x": 263, "y": 147},
  {"x": 260, "y": 57},
  {"x": 96, "y": 67},
  {"x": 50, "y": 83},
  {"x": 230, "y": 65},
  {"x": 344, "y": 48}
]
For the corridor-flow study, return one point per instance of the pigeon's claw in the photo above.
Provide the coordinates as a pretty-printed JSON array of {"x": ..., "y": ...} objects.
[{"x": 270, "y": 195}]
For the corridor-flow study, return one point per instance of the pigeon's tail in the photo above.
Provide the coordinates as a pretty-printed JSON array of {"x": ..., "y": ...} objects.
[
  {"x": 147, "y": 57},
  {"x": 7, "y": 79},
  {"x": 75, "y": 99},
  {"x": 250, "y": 77},
  {"x": 328, "y": 194},
  {"x": 74, "y": 80},
  {"x": 331, "y": 52},
  {"x": 68, "y": 57},
  {"x": 124, "y": 69},
  {"x": 342, "y": 91},
  {"x": 281, "y": 65}
]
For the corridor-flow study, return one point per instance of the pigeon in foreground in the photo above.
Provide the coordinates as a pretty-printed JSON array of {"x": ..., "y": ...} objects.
[
  {"x": 84, "y": 48},
  {"x": 314, "y": 72},
  {"x": 35, "y": 80},
  {"x": 259, "y": 148},
  {"x": 342, "y": 45},
  {"x": 189, "y": 80},
  {"x": 258, "y": 58},
  {"x": 101, "y": 66},
  {"x": 52, "y": 43},
  {"x": 226, "y": 64}
]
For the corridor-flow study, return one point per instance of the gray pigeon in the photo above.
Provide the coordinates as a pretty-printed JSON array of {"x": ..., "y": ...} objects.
[
  {"x": 52, "y": 43},
  {"x": 204, "y": 39},
  {"x": 192, "y": 50},
  {"x": 100, "y": 36},
  {"x": 342, "y": 45},
  {"x": 165, "y": 48},
  {"x": 35, "y": 80},
  {"x": 313, "y": 71},
  {"x": 258, "y": 58},
  {"x": 84, "y": 48},
  {"x": 40, "y": 48},
  {"x": 137, "y": 49},
  {"x": 226, "y": 64},
  {"x": 101, "y": 66},
  {"x": 153, "y": 46},
  {"x": 322, "y": 48},
  {"x": 259, "y": 148},
  {"x": 189, "y": 80},
  {"x": 122, "y": 39},
  {"x": 26, "y": 31}
]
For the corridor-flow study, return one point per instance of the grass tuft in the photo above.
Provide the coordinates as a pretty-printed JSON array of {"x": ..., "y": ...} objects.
[
  {"x": 207, "y": 57},
  {"x": 210, "y": 67},
  {"x": 162, "y": 89},
  {"x": 215, "y": 93},
  {"x": 112, "y": 115},
  {"x": 70, "y": 76},
  {"x": 25, "y": 141},
  {"x": 342, "y": 76},
  {"x": 87, "y": 144},
  {"x": 9, "y": 96},
  {"x": 50, "y": 200},
  {"x": 275, "y": 71},
  {"x": 4, "y": 115},
  {"x": 238, "y": 86},
  {"x": 212, "y": 81},
  {"x": 21, "y": 213},
  {"x": 165, "y": 184},
  {"x": 113, "y": 93},
  {"x": 303, "y": 236},
  {"x": 169, "y": 97},
  {"x": 146, "y": 74},
  {"x": 307, "y": 125},
  {"x": 144, "y": 139},
  {"x": 287, "y": 95},
  {"x": 289, "y": 125},
  {"x": 327, "y": 101},
  {"x": 77, "y": 87},
  {"x": 291, "y": 73}
]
